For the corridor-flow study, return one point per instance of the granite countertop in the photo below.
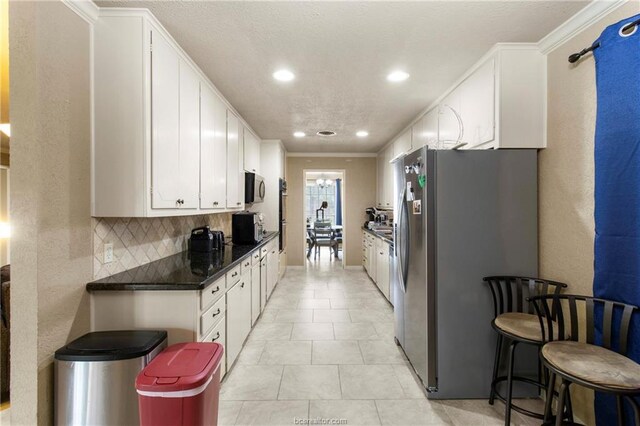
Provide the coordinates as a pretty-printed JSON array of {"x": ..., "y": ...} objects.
[
  {"x": 386, "y": 238},
  {"x": 182, "y": 271}
]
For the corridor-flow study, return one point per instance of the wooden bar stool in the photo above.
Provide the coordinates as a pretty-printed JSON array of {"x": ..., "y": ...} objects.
[
  {"x": 598, "y": 362},
  {"x": 516, "y": 321}
]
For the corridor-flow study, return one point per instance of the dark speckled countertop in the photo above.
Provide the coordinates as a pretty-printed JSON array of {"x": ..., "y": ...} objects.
[
  {"x": 385, "y": 238},
  {"x": 182, "y": 271}
]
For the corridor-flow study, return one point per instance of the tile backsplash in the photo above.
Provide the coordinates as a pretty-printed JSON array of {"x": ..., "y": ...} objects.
[{"x": 137, "y": 241}]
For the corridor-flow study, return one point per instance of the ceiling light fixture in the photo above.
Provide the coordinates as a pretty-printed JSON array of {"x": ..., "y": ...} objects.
[
  {"x": 299, "y": 134},
  {"x": 283, "y": 75},
  {"x": 362, "y": 133},
  {"x": 398, "y": 76}
]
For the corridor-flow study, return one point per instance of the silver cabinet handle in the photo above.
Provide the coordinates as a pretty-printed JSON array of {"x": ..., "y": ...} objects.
[
  {"x": 216, "y": 290},
  {"x": 217, "y": 337},
  {"x": 216, "y": 313}
]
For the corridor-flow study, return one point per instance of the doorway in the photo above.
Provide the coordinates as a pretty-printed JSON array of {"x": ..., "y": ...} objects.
[{"x": 324, "y": 217}]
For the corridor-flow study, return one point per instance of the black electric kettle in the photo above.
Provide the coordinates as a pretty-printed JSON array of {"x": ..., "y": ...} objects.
[{"x": 218, "y": 240}]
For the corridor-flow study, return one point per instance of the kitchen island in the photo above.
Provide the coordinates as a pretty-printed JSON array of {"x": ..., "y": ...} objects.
[{"x": 214, "y": 297}]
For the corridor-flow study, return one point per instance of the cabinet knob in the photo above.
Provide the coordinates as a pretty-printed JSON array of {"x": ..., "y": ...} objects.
[
  {"x": 242, "y": 285},
  {"x": 180, "y": 201},
  {"x": 216, "y": 313},
  {"x": 215, "y": 203},
  {"x": 234, "y": 274},
  {"x": 238, "y": 203},
  {"x": 217, "y": 337},
  {"x": 217, "y": 289}
]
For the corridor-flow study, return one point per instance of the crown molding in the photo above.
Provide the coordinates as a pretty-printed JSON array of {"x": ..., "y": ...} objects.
[
  {"x": 86, "y": 9},
  {"x": 586, "y": 17},
  {"x": 332, "y": 154}
]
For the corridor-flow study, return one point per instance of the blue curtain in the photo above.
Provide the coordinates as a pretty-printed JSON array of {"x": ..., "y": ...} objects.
[
  {"x": 617, "y": 184},
  {"x": 338, "y": 201}
]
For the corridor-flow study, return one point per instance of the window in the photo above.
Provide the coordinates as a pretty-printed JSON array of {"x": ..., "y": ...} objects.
[{"x": 314, "y": 196}]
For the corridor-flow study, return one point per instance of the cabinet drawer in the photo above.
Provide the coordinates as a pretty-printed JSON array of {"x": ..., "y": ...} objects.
[
  {"x": 233, "y": 276},
  {"x": 245, "y": 266},
  {"x": 218, "y": 335},
  {"x": 255, "y": 258},
  {"x": 212, "y": 316},
  {"x": 212, "y": 293},
  {"x": 264, "y": 251}
]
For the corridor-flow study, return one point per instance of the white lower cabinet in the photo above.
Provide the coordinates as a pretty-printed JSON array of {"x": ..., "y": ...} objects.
[
  {"x": 238, "y": 317},
  {"x": 255, "y": 293},
  {"x": 382, "y": 267},
  {"x": 263, "y": 283},
  {"x": 273, "y": 268},
  {"x": 218, "y": 335}
]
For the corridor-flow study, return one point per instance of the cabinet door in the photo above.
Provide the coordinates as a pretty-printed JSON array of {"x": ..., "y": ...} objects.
[
  {"x": 418, "y": 137},
  {"x": 189, "y": 154},
  {"x": 251, "y": 152},
  {"x": 388, "y": 179},
  {"x": 381, "y": 177},
  {"x": 403, "y": 143},
  {"x": 450, "y": 121},
  {"x": 238, "y": 318},
  {"x": 255, "y": 293},
  {"x": 382, "y": 268},
  {"x": 273, "y": 266},
  {"x": 213, "y": 150},
  {"x": 165, "y": 127},
  {"x": 263, "y": 283},
  {"x": 234, "y": 173},
  {"x": 477, "y": 105},
  {"x": 430, "y": 128}
]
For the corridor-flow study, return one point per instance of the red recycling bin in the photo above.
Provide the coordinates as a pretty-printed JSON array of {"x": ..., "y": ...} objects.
[{"x": 181, "y": 386}]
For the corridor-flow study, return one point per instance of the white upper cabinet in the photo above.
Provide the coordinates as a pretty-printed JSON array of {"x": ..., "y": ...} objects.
[
  {"x": 403, "y": 143},
  {"x": 213, "y": 150},
  {"x": 165, "y": 129},
  {"x": 388, "y": 178},
  {"x": 189, "y": 153},
  {"x": 499, "y": 103},
  {"x": 235, "y": 175},
  {"x": 251, "y": 152},
  {"x": 158, "y": 148}
]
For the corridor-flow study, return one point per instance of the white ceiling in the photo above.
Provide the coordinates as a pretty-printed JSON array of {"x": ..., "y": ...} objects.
[{"x": 341, "y": 53}]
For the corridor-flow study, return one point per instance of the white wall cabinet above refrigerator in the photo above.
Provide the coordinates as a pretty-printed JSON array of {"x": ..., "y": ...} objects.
[
  {"x": 499, "y": 103},
  {"x": 161, "y": 138},
  {"x": 251, "y": 152}
]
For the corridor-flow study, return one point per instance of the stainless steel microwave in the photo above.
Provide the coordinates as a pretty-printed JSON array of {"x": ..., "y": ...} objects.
[{"x": 254, "y": 188}]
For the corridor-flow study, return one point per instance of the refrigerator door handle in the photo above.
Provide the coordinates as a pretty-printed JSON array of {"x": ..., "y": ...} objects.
[{"x": 403, "y": 242}]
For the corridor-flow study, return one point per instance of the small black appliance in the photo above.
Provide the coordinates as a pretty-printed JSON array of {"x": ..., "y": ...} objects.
[
  {"x": 246, "y": 228},
  {"x": 201, "y": 240}
]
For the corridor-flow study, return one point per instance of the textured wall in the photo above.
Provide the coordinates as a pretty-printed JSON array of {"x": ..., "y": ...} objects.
[
  {"x": 137, "y": 241},
  {"x": 359, "y": 193},
  {"x": 50, "y": 196},
  {"x": 566, "y": 173}
]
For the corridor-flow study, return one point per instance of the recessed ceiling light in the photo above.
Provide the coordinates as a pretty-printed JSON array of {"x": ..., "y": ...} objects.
[
  {"x": 362, "y": 133},
  {"x": 283, "y": 75},
  {"x": 397, "y": 76},
  {"x": 326, "y": 133},
  {"x": 299, "y": 134}
]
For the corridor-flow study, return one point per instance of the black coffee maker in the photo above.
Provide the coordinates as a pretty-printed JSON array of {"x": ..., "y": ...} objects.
[
  {"x": 371, "y": 216},
  {"x": 204, "y": 240}
]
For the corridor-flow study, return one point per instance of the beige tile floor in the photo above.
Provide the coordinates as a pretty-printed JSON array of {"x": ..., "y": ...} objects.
[{"x": 324, "y": 349}]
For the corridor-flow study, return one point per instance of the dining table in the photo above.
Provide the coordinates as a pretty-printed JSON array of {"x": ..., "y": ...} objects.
[{"x": 337, "y": 229}]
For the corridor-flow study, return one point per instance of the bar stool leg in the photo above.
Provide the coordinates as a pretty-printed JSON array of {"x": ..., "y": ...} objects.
[
  {"x": 507, "y": 414},
  {"x": 570, "y": 408},
  {"x": 548, "y": 403},
  {"x": 564, "y": 388},
  {"x": 620, "y": 409},
  {"x": 496, "y": 366}
]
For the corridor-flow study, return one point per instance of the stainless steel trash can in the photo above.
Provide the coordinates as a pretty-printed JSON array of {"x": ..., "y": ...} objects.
[{"x": 95, "y": 376}]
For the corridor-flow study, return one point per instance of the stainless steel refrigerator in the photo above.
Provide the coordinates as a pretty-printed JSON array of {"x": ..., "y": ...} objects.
[{"x": 460, "y": 216}]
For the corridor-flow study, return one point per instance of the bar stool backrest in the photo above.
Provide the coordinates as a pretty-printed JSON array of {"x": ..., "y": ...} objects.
[
  {"x": 512, "y": 293},
  {"x": 576, "y": 318}
]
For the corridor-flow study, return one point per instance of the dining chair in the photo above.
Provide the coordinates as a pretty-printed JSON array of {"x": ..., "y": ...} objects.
[
  {"x": 325, "y": 237},
  {"x": 311, "y": 241},
  {"x": 516, "y": 322},
  {"x": 582, "y": 347}
]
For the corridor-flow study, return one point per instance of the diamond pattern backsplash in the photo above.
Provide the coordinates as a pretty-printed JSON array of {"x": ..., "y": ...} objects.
[{"x": 137, "y": 241}]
